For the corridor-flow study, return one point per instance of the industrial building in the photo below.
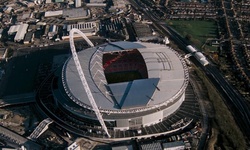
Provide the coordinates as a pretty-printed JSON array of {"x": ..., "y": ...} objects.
[
  {"x": 20, "y": 32},
  {"x": 76, "y": 14},
  {"x": 59, "y": 1},
  {"x": 82, "y": 26},
  {"x": 125, "y": 147},
  {"x": 53, "y": 13},
  {"x": 78, "y": 3},
  {"x": 7, "y": 10},
  {"x": 96, "y": 3},
  {"x": 178, "y": 145},
  {"x": 120, "y": 4},
  {"x": 29, "y": 37},
  {"x": 143, "y": 32},
  {"x": 13, "y": 29},
  {"x": 1, "y": 33},
  {"x": 48, "y": 1},
  {"x": 52, "y": 31},
  {"x": 86, "y": 27}
]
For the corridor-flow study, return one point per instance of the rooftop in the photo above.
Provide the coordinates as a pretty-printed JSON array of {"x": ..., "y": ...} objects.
[
  {"x": 173, "y": 145},
  {"x": 76, "y": 13},
  {"x": 53, "y": 13},
  {"x": 166, "y": 77}
]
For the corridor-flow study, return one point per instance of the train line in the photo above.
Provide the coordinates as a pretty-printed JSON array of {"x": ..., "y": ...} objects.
[{"x": 233, "y": 99}]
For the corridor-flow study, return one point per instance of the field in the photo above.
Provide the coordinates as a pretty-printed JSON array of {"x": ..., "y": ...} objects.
[
  {"x": 196, "y": 31},
  {"x": 118, "y": 77}
]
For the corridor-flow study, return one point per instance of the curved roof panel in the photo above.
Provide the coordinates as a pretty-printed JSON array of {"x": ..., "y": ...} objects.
[{"x": 130, "y": 94}]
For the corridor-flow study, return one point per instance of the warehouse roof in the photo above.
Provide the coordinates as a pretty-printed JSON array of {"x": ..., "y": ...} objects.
[
  {"x": 13, "y": 29},
  {"x": 76, "y": 13},
  {"x": 53, "y": 13},
  {"x": 21, "y": 32}
]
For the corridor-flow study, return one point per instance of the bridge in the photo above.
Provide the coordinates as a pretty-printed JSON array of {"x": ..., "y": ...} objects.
[{"x": 40, "y": 129}]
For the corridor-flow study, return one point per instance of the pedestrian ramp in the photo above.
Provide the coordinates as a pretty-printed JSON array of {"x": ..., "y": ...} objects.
[{"x": 40, "y": 129}]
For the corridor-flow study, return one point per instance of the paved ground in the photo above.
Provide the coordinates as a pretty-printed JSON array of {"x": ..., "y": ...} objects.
[
  {"x": 21, "y": 71},
  {"x": 17, "y": 140},
  {"x": 205, "y": 105}
]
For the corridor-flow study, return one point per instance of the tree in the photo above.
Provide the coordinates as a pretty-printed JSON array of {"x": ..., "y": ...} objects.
[{"x": 188, "y": 37}]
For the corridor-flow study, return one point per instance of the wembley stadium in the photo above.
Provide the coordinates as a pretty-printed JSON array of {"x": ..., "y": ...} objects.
[{"x": 135, "y": 85}]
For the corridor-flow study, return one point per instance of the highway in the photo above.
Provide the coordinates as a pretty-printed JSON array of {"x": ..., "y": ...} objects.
[{"x": 235, "y": 102}]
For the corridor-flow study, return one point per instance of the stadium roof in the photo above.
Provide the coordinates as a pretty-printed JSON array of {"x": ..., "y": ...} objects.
[
  {"x": 127, "y": 94},
  {"x": 166, "y": 77}
]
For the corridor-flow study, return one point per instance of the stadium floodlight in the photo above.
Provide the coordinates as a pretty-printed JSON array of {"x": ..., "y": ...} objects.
[{"x": 82, "y": 76}]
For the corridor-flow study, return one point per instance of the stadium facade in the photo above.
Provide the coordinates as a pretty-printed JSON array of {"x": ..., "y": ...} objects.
[{"x": 134, "y": 85}]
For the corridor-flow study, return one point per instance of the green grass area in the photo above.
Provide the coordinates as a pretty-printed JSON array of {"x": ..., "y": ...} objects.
[
  {"x": 230, "y": 136},
  {"x": 197, "y": 31},
  {"x": 118, "y": 77}
]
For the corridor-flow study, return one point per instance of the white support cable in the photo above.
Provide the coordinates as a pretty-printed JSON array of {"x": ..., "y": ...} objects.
[{"x": 82, "y": 77}]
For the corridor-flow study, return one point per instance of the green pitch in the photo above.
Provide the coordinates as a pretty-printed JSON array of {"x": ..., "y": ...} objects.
[{"x": 199, "y": 31}]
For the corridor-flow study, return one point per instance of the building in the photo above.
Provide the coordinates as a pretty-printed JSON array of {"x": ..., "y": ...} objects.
[
  {"x": 178, "y": 145},
  {"x": 73, "y": 146},
  {"x": 52, "y": 31},
  {"x": 83, "y": 26},
  {"x": 96, "y": 3},
  {"x": 156, "y": 89},
  {"x": 29, "y": 37},
  {"x": 78, "y": 3},
  {"x": 1, "y": 33},
  {"x": 38, "y": 2},
  {"x": 7, "y": 10},
  {"x": 32, "y": 27},
  {"x": 120, "y": 4},
  {"x": 88, "y": 28},
  {"x": 2, "y": 57},
  {"x": 125, "y": 147},
  {"x": 76, "y": 14},
  {"x": 31, "y": 4},
  {"x": 22, "y": 30},
  {"x": 151, "y": 146},
  {"x": 59, "y": 1},
  {"x": 53, "y": 13},
  {"x": 143, "y": 32},
  {"x": 48, "y": 1},
  {"x": 13, "y": 29}
]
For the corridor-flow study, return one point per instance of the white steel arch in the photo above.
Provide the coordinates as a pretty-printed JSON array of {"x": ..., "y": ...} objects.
[{"x": 82, "y": 77}]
